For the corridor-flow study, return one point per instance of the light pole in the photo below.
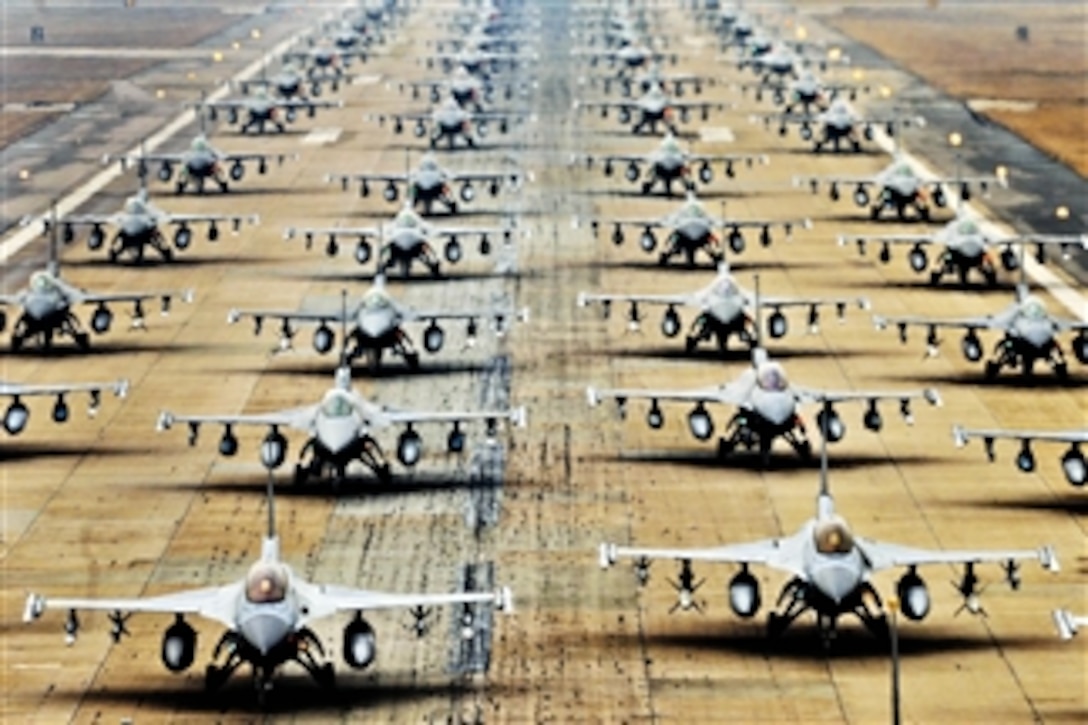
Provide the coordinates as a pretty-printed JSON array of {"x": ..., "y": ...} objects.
[{"x": 893, "y": 633}]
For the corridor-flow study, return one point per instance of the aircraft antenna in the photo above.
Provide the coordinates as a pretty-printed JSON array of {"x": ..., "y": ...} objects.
[
  {"x": 758, "y": 315},
  {"x": 344, "y": 328},
  {"x": 271, "y": 505},
  {"x": 824, "y": 424},
  {"x": 54, "y": 263}
]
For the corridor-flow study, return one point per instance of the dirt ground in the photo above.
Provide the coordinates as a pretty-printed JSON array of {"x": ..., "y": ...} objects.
[{"x": 973, "y": 53}]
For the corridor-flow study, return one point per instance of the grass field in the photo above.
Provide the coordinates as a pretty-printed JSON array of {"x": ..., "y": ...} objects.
[{"x": 971, "y": 51}]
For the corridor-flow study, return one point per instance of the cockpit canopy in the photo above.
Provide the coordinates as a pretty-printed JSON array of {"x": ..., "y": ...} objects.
[
  {"x": 337, "y": 405},
  {"x": 967, "y": 227},
  {"x": 135, "y": 205},
  {"x": 374, "y": 300},
  {"x": 725, "y": 287},
  {"x": 428, "y": 162},
  {"x": 1033, "y": 308},
  {"x": 670, "y": 145},
  {"x": 266, "y": 583},
  {"x": 42, "y": 281},
  {"x": 838, "y": 107},
  {"x": 772, "y": 378},
  {"x": 407, "y": 218},
  {"x": 832, "y": 536},
  {"x": 692, "y": 209},
  {"x": 200, "y": 143}
]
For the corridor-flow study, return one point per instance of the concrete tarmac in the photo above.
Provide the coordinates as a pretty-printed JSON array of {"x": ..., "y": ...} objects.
[{"x": 112, "y": 508}]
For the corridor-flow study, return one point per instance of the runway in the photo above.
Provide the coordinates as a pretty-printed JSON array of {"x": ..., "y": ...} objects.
[{"x": 109, "y": 507}]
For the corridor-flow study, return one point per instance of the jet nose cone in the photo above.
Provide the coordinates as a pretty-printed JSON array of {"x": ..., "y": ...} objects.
[
  {"x": 836, "y": 580},
  {"x": 373, "y": 326},
  {"x": 336, "y": 434},
  {"x": 132, "y": 228},
  {"x": 38, "y": 307},
  {"x": 777, "y": 408},
  {"x": 1036, "y": 335},
  {"x": 725, "y": 311},
  {"x": 264, "y": 629}
]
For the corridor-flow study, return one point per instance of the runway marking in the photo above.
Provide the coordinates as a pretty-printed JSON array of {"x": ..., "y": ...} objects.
[
  {"x": 36, "y": 666},
  {"x": 82, "y": 193},
  {"x": 367, "y": 80},
  {"x": 719, "y": 134},
  {"x": 1066, "y": 295},
  {"x": 1001, "y": 104},
  {"x": 322, "y": 136},
  {"x": 37, "y": 107}
]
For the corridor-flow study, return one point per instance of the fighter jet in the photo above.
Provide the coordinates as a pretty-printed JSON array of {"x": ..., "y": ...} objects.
[
  {"x": 691, "y": 228},
  {"x": 341, "y": 429},
  {"x": 202, "y": 162},
  {"x": 670, "y": 162},
  {"x": 260, "y": 109},
  {"x": 139, "y": 227},
  {"x": 476, "y": 62},
  {"x": 807, "y": 91},
  {"x": 830, "y": 571},
  {"x": 966, "y": 247},
  {"x": 628, "y": 58},
  {"x": 1073, "y": 462},
  {"x": 430, "y": 183},
  {"x": 652, "y": 108},
  {"x": 451, "y": 122},
  {"x": 837, "y": 123},
  {"x": 17, "y": 414},
  {"x": 782, "y": 62},
  {"x": 469, "y": 91},
  {"x": 722, "y": 309},
  {"x": 290, "y": 81},
  {"x": 766, "y": 405},
  {"x": 1068, "y": 623},
  {"x": 378, "y": 323},
  {"x": 898, "y": 187},
  {"x": 1028, "y": 334},
  {"x": 408, "y": 238},
  {"x": 325, "y": 62},
  {"x": 654, "y": 77},
  {"x": 268, "y": 616}
]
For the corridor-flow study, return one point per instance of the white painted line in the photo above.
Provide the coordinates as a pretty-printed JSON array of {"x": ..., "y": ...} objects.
[
  {"x": 367, "y": 80},
  {"x": 321, "y": 136},
  {"x": 36, "y": 51},
  {"x": 1066, "y": 295},
  {"x": 721, "y": 134},
  {"x": 79, "y": 196}
]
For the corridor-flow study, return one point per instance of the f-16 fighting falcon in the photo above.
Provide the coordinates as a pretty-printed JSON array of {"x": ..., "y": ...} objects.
[
  {"x": 199, "y": 164},
  {"x": 766, "y": 405},
  {"x": 451, "y": 122},
  {"x": 260, "y": 109},
  {"x": 670, "y": 162},
  {"x": 289, "y": 83},
  {"x": 1028, "y": 334},
  {"x": 691, "y": 228},
  {"x": 628, "y": 58},
  {"x": 469, "y": 91},
  {"x": 722, "y": 309},
  {"x": 899, "y": 187},
  {"x": 376, "y": 323},
  {"x": 139, "y": 227},
  {"x": 268, "y": 614},
  {"x": 830, "y": 570},
  {"x": 341, "y": 427},
  {"x": 654, "y": 77},
  {"x": 1073, "y": 463},
  {"x": 476, "y": 62},
  {"x": 806, "y": 91},
  {"x": 406, "y": 239},
  {"x": 46, "y": 306},
  {"x": 430, "y": 183},
  {"x": 325, "y": 62},
  {"x": 837, "y": 123},
  {"x": 653, "y": 108},
  {"x": 966, "y": 246},
  {"x": 17, "y": 414}
]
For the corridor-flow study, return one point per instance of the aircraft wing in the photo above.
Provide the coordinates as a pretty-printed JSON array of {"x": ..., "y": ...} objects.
[
  {"x": 236, "y": 220},
  {"x": 881, "y": 555},
  {"x": 747, "y": 159},
  {"x": 813, "y": 303},
  {"x": 586, "y": 298},
  {"x": 262, "y": 158},
  {"x": 986, "y": 322},
  {"x": 784, "y": 554},
  {"x": 725, "y": 394},
  {"x": 331, "y": 235},
  {"x": 512, "y": 177},
  {"x": 323, "y": 600},
  {"x": 812, "y": 395},
  {"x": 297, "y": 418},
  {"x": 309, "y": 104},
  {"x": 861, "y": 240},
  {"x": 834, "y": 181},
  {"x": 118, "y": 387},
  {"x": 216, "y": 603},
  {"x": 517, "y": 416}
]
